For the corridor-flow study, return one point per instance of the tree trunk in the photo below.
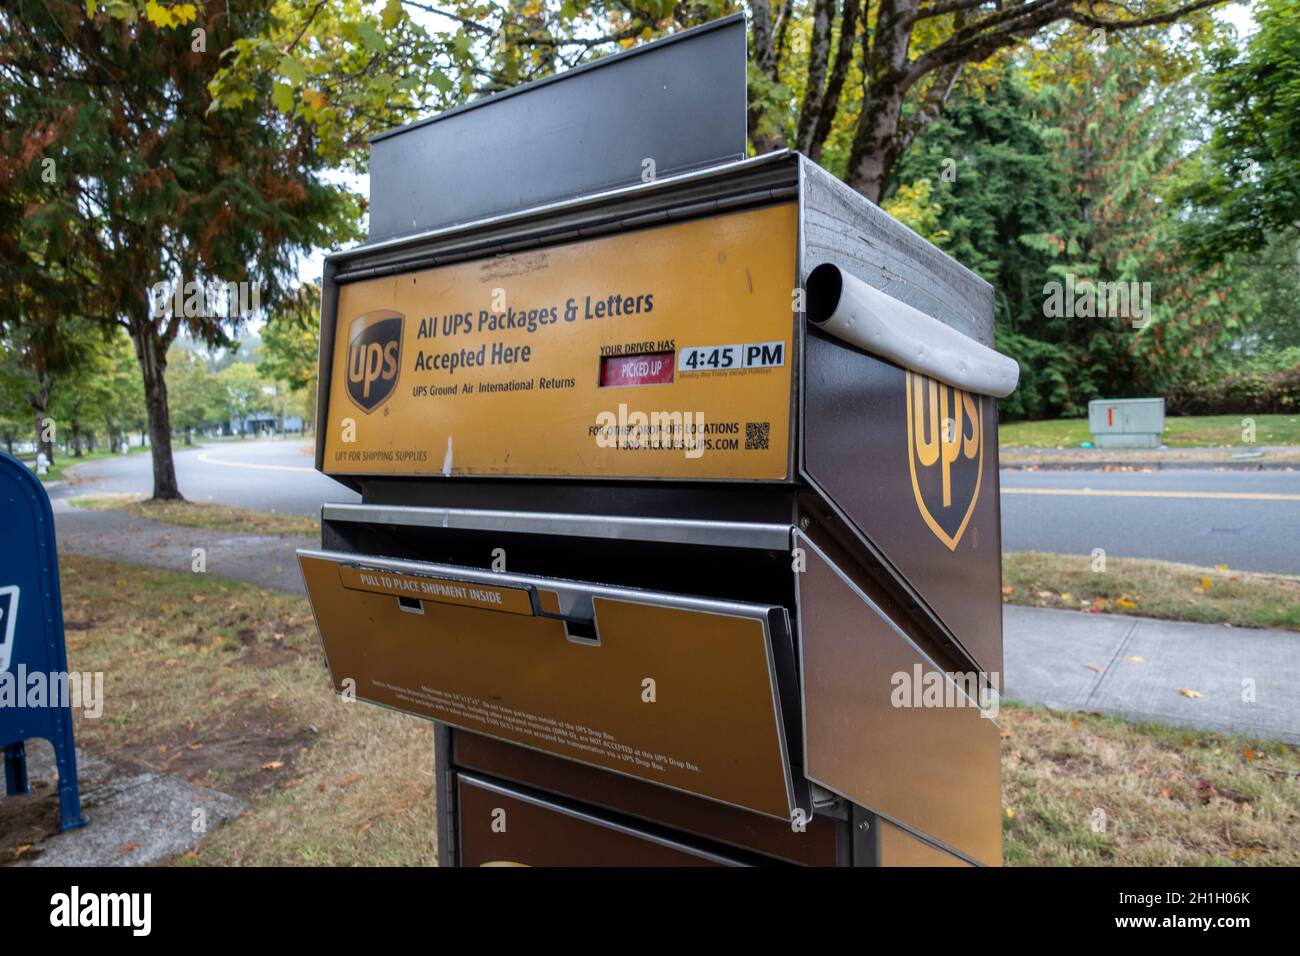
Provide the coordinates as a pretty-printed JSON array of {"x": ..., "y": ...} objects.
[
  {"x": 875, "y": 144},
  {"x": 763, "y": 37},
  {"x": 189, "y": 435},
  {"x": 39, "y": 399},
  {"x": 76, "y": 438},
  {"x": 151, "y": 350}
]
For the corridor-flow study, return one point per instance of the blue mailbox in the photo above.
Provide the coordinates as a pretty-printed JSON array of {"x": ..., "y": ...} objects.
[{"x": 31, "y": 638}]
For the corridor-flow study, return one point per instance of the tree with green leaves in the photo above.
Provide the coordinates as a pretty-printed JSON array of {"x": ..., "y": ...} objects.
[
  {"x": 82, "y": 395},
  {"x": 993, "y": 177},
  {"x": 1120, "y": 134},
  {"x": 1059, "y": 173},
  {"x": 243, "y": 393},
  {"x": 138, "y": 188},
  {"x": 1244, "y": 191},
  {"x": 291, "y": 345},
  {"x": 125, "y": 410},
  {"x": 876, "y": 74},
  {"x": 907, "y": 57},
  {"x": 194, "y": 393},
  {"x": 41, "y": 354}
]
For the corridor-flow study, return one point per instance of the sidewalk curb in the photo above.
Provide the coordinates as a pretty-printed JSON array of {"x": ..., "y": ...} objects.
[{"x": 1159, "y": 465}]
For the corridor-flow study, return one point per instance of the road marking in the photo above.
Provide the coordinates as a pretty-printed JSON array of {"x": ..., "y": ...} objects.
[
  {"x": 204, "y": 456},
  {"x": 1118, "y": 493}
]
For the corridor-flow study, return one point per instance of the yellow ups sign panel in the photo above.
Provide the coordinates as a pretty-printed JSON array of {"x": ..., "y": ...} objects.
[{"x": 662, "y": 353}]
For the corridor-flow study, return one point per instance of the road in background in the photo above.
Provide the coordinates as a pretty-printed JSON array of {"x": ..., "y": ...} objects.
[
  {"x": 1248, "y": 520},
  {"x": 264, "y": 475}
]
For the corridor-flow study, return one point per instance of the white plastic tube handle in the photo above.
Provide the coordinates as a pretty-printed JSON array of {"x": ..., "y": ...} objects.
[{"x": 849, "y": 309}]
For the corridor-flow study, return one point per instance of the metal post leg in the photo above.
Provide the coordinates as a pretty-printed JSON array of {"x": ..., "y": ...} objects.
[
  {"x": 16, "y": 769},
  {"x": 69, "y": 796}
]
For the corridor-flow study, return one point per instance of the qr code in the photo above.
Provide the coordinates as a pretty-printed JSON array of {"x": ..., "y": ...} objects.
[{"x": 756, "y": 435}]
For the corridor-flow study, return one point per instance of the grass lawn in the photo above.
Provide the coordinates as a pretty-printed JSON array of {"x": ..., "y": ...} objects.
[
  {"x": 1163, "y": 589},
  {"x": 193, "y": 514},
  {"x": 1087, "y": 790},
  {"x": 1191, "y": 431},
  {"x": 224, "y": 684}
]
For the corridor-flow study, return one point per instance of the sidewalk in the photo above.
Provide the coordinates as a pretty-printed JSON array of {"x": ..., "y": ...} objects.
[
  {"x": 1137, "y": 667},
  {"x": 1128, "y": 666},
  {"x": 264, "y": 560},
  {"x": 135, "y": 816}
]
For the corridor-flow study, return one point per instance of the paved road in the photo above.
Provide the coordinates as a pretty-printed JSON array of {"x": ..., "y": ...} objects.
[
  {"x": 1248, "y": 520},
  {"x": 265, "y": 475}
]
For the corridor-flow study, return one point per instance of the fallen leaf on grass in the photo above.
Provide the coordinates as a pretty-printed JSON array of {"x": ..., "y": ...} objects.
[
  {"x": 273, "y": 765},
  {"x": 1124, "y": 602},
  {"x": 197, "y": 598}
]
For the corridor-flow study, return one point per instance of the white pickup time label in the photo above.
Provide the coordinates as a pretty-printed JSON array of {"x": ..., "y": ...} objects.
[{"x": 720, "y": 358}]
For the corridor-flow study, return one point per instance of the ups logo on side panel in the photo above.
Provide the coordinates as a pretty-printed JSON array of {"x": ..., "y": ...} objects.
[
  {"x": 945, "y": 454},
  {"x": 374, "y": 358}
]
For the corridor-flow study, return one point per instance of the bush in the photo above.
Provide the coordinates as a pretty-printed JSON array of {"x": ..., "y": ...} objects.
[
  {"x": 1044, "y": 390},
  {"x": 1262, "y": 385}
]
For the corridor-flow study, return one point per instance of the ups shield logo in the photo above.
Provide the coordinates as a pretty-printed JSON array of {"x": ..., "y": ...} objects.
[
  {"x": 945, "y": 454},
  {"x": 374, "y": 358}
]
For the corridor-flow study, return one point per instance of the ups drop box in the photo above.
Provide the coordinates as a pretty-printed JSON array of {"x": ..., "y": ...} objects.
[{"x": 682, "y": 574}]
